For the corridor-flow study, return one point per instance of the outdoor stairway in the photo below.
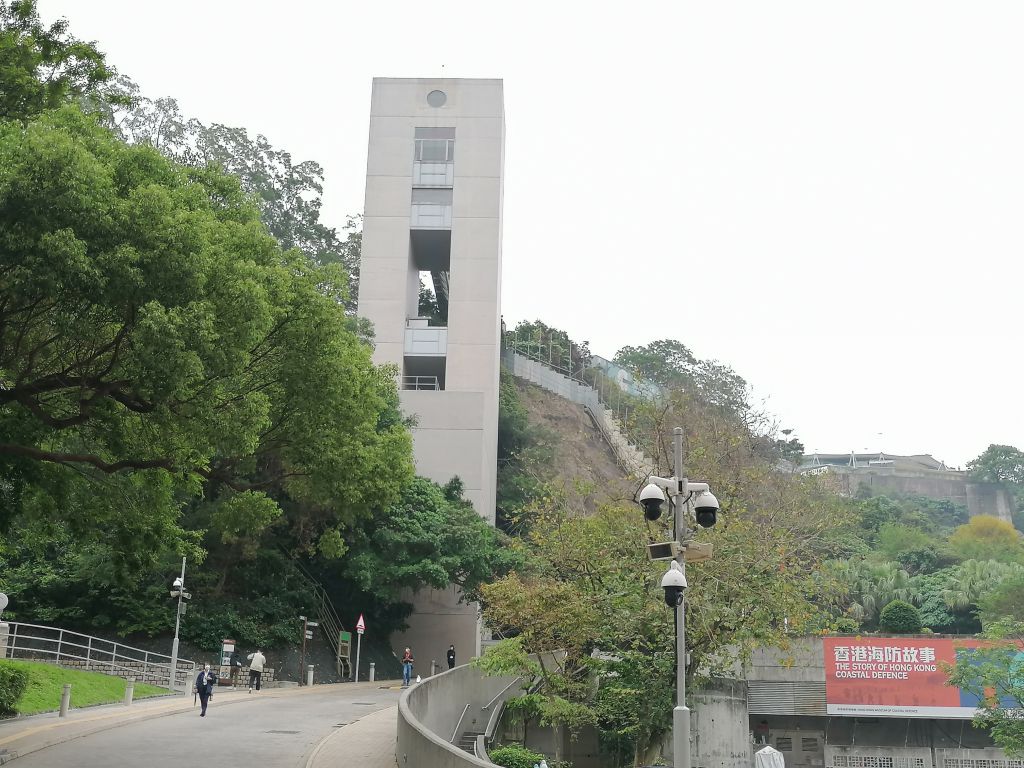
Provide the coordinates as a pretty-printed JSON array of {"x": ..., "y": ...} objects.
[{"x": 467, "y": 742}]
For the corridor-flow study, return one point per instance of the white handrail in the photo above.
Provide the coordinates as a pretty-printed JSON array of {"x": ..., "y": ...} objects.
[{"x": 458, "y": 725}]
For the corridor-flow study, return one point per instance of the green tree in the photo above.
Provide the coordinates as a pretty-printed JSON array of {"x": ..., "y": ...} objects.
[
  {"x": 866, "y": 587},
  {"x": 1004, "y": 601},
  {"x": 672, "y": 366},
  {"x": 550, "y": 345},
  {"x": 157, "y": 345},
  {"x": 995, "y": 675},
  {"x": 43, "y": 67},
  {"x": 986, "y": 537},
  {"x": 900, "y": 618},
  {"x": 999, "y": 464},
  {"x": 287, "y": 193},
  {"x": 430, "y": 536}
]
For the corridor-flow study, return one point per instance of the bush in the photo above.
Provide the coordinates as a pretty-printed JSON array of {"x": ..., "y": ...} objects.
[
  {"x": 900, "y": 618},
  {"x": 515, "y": 756},
  {"x": 13, "y": 681}
]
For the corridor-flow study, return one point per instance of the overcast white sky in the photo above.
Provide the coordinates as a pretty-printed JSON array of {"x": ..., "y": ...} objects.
[{"x": 828, "y": 197}]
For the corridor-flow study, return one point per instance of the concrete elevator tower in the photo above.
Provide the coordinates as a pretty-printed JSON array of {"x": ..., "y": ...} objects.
[{"x": 433, "y": 214}]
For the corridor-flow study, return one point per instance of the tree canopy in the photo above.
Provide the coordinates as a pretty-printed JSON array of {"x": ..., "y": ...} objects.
[{"x": 44, "y": 67}]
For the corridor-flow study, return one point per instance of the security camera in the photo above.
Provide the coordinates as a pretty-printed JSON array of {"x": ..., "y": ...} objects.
[
  {"x": 651, "y": 499},
  {"x": 706, "y": 508},
  {"x": 673, "y": 582},
  {"x": 177, "y": 582}
]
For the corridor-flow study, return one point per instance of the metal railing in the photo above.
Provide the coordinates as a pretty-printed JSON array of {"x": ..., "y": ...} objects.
[
  {"x": 458, "y": 726},
  {"x": 426, "y": 383},
  {"x": 323, "y": 607},
  {"x": 35, "y": 642}
]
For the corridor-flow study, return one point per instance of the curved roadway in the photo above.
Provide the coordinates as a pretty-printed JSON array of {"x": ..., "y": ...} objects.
[{"x": 272, "y": 728}]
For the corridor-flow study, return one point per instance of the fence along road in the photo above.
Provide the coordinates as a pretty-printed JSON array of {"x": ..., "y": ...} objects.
[{"x": 35, "y": 642}]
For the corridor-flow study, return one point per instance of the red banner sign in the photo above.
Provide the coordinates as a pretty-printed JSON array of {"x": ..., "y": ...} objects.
[{"x": 894, "y": 677}]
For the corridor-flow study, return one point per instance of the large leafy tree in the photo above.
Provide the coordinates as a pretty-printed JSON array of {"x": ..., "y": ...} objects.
[
  {"x": 287, "y": 193},
  {"x": 42, "y": 67},
  {"x": 157, "y": 344},
  {"x": 672, "y": 366},
  {"x": 985, "y": 537},
  {"x": 591, "y": 588}
]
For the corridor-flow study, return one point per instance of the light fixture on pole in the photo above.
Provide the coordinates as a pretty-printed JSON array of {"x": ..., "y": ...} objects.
[
  {"x": 177, "y": 590},
  {"x": 652, "y": 498}
]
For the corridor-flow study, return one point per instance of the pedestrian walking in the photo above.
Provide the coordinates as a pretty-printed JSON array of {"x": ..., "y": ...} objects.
[
  {"x": 451, "y": 657},
  {"x": 407, "y": 662},
  {"x": 236, "y": 667},
  {"x": 205, "y": 683},
  {"x": 256, "y": 663}
]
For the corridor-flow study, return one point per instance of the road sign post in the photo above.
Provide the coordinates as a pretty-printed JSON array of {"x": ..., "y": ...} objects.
[{"x": 360, "y": 628}]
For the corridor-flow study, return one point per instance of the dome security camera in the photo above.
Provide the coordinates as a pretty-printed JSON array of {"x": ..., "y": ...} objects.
[
  {"x": 651, "y": 499},
  {"x": 706, "y": 509},
  {"x": 673, "y": 582}
]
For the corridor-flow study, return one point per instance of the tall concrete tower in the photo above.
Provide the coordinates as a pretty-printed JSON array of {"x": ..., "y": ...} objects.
[{"x": 433, "y": 214}]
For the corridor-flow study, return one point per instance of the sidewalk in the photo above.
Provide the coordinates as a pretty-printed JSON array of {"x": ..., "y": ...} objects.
[
  {"x": 369, "y": 742},
  {"x": 24, "y": 735}
]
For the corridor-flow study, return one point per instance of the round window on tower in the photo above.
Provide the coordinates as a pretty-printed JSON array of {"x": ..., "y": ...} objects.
[{"x": 437, "y": 98}]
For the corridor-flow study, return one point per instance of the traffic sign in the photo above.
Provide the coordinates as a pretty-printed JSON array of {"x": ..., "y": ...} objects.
[
  {"x": 309, "y": 635},
  {"x": 312, "y": 624},
  {"x": 361, "y": 624}
]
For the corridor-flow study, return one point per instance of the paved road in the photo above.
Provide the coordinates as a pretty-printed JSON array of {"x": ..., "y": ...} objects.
[{"x": 268, "y": 729}]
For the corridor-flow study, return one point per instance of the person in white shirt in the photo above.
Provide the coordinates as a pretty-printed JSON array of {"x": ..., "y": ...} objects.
[{"x": 256, "y": 662}]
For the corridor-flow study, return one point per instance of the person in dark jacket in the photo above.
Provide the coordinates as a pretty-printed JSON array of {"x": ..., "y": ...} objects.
[
  {"x": 451, "y": 657},
  {"x": 205, "y": 683}
]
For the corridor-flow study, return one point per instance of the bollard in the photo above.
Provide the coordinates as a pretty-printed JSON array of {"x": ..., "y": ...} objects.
[
  {"x": 129, "y": 691},
  {"x": 65, "y": 700},
  {"x": 373, "y": 671},
  {"x": 309, "y": 675},
  {"x": 433, "y": 667}
]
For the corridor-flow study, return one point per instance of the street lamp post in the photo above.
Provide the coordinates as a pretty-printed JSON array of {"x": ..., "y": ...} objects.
[
  {"x": 651, "y": 499},
  {"x": 179, "y": 589},
  {"x": 681, "y": 533}
]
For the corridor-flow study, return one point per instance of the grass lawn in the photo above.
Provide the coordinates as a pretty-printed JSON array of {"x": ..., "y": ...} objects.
[{"x": 46, "y": 682}]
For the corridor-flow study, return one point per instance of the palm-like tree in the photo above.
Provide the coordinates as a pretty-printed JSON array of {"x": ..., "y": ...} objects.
[
  {"x": 973, "y": 579},
  {"x": 869, "y": 587}
]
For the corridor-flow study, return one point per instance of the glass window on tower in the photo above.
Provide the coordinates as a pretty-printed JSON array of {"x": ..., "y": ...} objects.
[{"x": 434, "y": 158}]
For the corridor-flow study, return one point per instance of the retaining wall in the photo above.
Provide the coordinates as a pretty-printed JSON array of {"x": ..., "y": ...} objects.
[{"x": 429, "y": 717}]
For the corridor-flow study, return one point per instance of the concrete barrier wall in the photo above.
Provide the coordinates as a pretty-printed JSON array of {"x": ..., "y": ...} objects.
[{"x": 429, "y": 713}]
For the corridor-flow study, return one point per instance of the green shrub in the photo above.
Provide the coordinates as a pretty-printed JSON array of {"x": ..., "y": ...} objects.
[
  {"x": 515, "y": 756},
  {"x": 13, "y": 681},
  {"x": 900, "y": 618}
]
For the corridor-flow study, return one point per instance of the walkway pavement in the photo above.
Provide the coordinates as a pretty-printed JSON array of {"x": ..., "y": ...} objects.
[
  {"x": 369, "y": 742},
  {"x": 371, "y": 736}
]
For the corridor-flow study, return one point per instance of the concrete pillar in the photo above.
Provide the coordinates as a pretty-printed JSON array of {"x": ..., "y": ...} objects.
[
  {"x": 721, "y": 725},
  {"x": 373, "y": 671},
  {"x": 65, "y": 700},
  {"x": 309, "y": 675},
  {"x": 129, "y": 691}
]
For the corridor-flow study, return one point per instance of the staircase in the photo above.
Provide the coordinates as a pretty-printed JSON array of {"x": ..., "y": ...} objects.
[
  {"x": 324, "y": 613},
  {"x": 467, "y": 741},
  {"x": 630, "y": 458}
]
